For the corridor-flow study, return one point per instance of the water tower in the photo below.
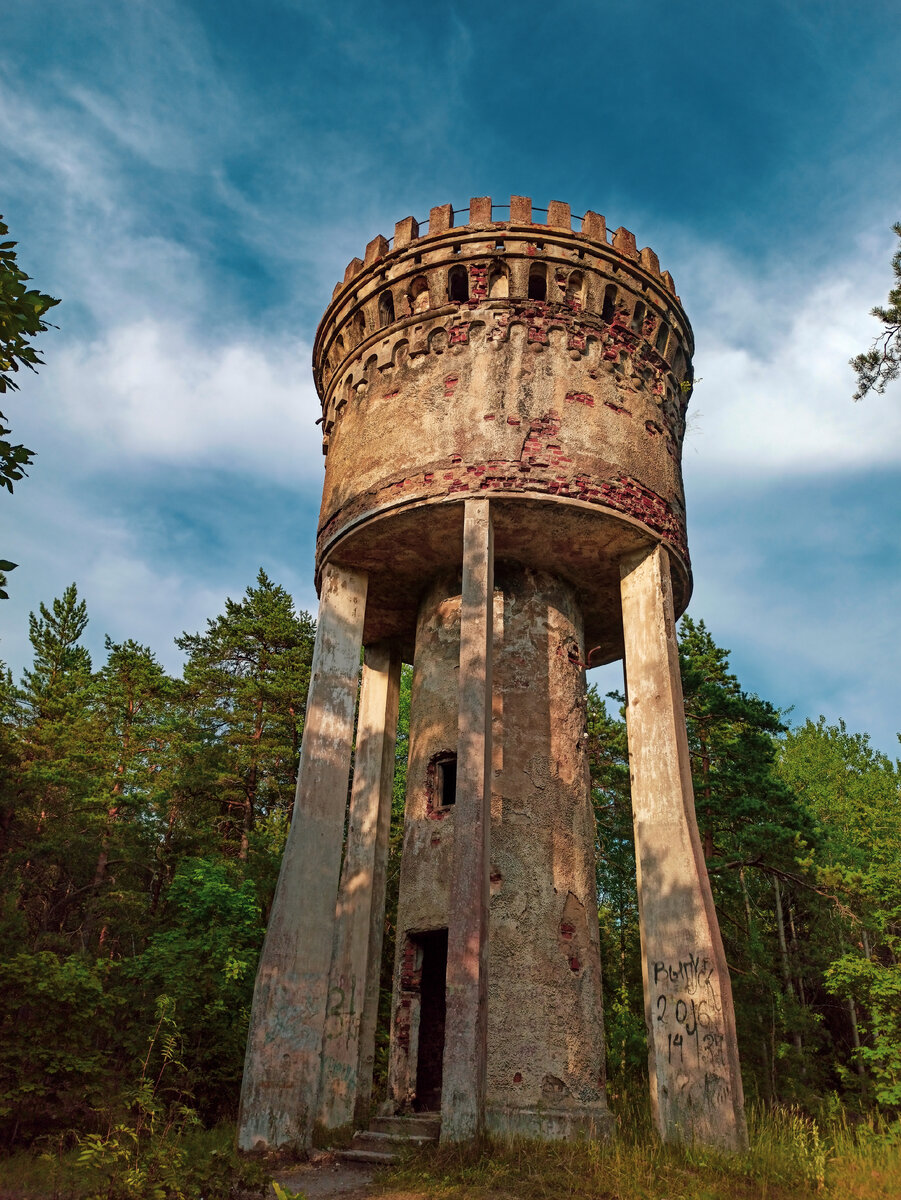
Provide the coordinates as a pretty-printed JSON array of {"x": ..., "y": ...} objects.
[{"x": 503, "y": 407}]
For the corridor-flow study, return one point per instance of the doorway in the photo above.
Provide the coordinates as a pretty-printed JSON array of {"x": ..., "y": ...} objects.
[{"x": 430, "y": 1053}]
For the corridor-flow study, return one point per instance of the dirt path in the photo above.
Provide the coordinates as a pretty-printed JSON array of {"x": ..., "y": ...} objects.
[{"x": 327, "y": 1178}]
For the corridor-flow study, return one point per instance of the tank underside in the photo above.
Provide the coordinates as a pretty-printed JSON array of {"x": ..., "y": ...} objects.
[{"x": 406, "y": 545}]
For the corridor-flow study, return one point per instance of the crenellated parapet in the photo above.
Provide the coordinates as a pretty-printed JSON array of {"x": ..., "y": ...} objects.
[{"x": 598, "y": 283}]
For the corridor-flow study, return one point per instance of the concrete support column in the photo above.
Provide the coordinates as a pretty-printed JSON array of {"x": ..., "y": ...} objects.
[
  {"x": 465, "y": 1045},
  {"x": 279, "y": 1094},
  {"x": 696, "y": 1090},
  {"x": 348, "y": 1050}
]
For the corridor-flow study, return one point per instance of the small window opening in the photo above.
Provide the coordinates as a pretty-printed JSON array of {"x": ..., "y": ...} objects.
[
  {"x": 458, "y": 247},
  {"x": 538, "y": 283},
  {"x": 574, "y": 288},
  {"x": 498, "y": 282},
  {"x": 609, "y": 310},
  {"x": 638, "y": 317},
  {"x": 446, "y": 781},
  {"x": 662, "y": 335},
  {"x": 419, "y": 294},
  {"x": 457, "y": 285},
  {"x": 417, "y": 259},
  {"x": 499, "y": 244},
  {"x": 386, "y": 309},
  {"x": 359, "y": 326}
]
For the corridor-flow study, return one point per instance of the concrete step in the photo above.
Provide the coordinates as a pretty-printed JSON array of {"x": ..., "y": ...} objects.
[
  {"x": 379, "y": 1158},
  {"x": 377, "y": 1138},
  {"x": 427, "y": 1125},
  {"x": 387, "y": 1138}
]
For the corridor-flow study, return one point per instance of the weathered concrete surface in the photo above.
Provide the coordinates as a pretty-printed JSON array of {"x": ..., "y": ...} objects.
[
  {"x": 279, "y": 1094},
  {"x": 545, "y": 1059},
  {"x": 575, "y": 398},
  {"x": 696, "y": 1089},
  {"x": 348, "y": 1049},
  {"x": 465, "y": 1047}
]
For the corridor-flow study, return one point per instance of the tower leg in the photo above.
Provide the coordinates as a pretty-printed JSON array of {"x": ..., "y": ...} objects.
[
  {"x": 352, "y": 1009},
  {"x": 465, "y": 1046},
  {"x": 279, "y": 1094},
  {"x": 696, "y": 1090}
]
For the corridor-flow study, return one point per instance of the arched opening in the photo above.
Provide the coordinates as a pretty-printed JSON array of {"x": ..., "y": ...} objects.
[
  {"x": 662, "y": 335},
  {"x": 575, "y": 289},
  {"x": 538, "y": 282},
  {"x": 638, "y": 317},
  {"x": 457, "y": 285},
  {"x": 358, "y": 326},
  {"x": 498, "y": 282},
  {"x": 419, "y": 294},
  {"x": 386, "y": 309},
  {"x": 609, "y": 310}
]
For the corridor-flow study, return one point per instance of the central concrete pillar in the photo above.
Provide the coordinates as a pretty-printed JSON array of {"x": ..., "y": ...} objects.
[
  {"x": 279, "y": 1094},
  {"x": 696, "y": 1090},
  {"x": 465, "y": 1046},
  {"x": 349, "y": 1039}
]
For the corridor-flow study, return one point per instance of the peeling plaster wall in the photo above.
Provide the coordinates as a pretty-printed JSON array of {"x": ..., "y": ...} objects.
[{"x": 545, "y": 1035}]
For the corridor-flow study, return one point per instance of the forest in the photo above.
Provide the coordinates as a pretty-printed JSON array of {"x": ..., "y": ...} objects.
[{"x": 142, "y": 817}]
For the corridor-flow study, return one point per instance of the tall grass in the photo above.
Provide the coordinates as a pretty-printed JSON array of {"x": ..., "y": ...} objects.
[{"x": 791, "y": 1156}]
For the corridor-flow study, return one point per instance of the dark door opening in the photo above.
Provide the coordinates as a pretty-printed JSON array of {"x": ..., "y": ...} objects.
[{"x": 430, "y": 1055}]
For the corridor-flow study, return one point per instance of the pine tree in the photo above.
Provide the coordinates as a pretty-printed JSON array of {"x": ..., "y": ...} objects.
[
  {"x": 854, "y": 794},
  {"x": 247, "y": 678},
  {"x": 61, "y": 772}
]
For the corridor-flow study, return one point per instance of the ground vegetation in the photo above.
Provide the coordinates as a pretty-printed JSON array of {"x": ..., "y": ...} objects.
[{"x": 142, "y": 819}]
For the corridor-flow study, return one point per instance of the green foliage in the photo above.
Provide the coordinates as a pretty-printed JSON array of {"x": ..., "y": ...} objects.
[
  {"x": 205, "y": 958},
  {"x": 126, "y": 872},
  {"x": 247, "y": 678},
  {"x": 882, "y": 362},
  {"x": 854, "y": 793},
  {"x": 283, "y": 1193},
  {"x": 22, "y": 312},
  {"x": 57, "y": 1022}
]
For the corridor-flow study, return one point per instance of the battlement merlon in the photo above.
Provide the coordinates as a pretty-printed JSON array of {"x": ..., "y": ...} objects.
[
  {"x": 494, "y": 234},
  {"x": 480, "y": 214}
]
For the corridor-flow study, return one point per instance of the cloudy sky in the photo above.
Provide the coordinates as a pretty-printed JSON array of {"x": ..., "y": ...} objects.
[{"x": 192, "y": 176}]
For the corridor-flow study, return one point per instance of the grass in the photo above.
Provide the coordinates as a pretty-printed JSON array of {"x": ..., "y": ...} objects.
[
  {"x": 791, "y": 1157},
  {"x": 210, "y": 1167}
]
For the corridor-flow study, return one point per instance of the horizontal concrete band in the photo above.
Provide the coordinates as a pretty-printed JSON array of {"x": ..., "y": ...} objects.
[{"x": 550, "y": 1124}]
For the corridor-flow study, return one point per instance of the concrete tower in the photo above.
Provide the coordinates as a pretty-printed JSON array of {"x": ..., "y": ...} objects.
[{"x": 503, "y": 409}]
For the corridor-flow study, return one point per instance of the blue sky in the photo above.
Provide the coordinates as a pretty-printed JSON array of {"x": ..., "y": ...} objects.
[{"x": 192, "y": 178}]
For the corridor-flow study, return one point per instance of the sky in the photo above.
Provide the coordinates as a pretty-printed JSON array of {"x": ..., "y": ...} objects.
[{"x": 191, "y": 177}]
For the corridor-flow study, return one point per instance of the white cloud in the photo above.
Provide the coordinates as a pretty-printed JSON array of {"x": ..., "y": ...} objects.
[
  {"x": 773, "y": 351},
  {"x": 156, "y": 394}
]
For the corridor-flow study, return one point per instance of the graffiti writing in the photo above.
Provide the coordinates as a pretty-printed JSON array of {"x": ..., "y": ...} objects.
[{"x": 686, "y": 1020}]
